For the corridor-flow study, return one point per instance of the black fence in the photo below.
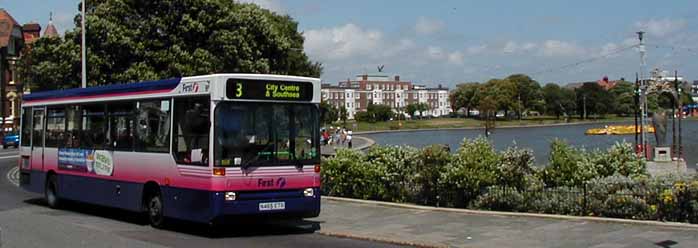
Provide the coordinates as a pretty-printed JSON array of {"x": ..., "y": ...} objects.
[{"x": 642, "y": 201}]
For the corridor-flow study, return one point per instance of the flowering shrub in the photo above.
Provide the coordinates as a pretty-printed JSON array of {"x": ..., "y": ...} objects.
[
  {"x": 514, "y": 166},
  {"x": 397, "y": 167},
  {"x": 430, "y": 165},
  {"x": 613, "y": 183},
  {"x": 500, "y": 199},
  {"x": 473, "y": 167},
  {"x": 573, "y": 167}
]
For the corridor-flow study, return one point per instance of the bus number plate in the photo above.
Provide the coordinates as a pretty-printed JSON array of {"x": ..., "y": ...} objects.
[{"x": 266, "y": 206}]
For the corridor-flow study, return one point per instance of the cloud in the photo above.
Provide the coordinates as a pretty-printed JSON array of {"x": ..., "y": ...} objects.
[
  {"x": 426, "y": 26},
  {"x": 661, "y": 27},
  {"x": 435, "y": 52},
  {"x": 273, "y": 5},
  {"x": 343, "y": 42},
  {"x": 555, "y": 48},
  {"x": 456, "y": 57},
  {"x": 515, "y": 47},
  {"x": 478, "y": 49}
]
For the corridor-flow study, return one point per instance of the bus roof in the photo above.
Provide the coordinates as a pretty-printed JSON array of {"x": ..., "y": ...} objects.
[{"x": 106, "y": 90}]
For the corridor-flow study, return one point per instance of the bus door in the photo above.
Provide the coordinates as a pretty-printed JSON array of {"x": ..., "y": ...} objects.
[{"x": 37, "y": 144}]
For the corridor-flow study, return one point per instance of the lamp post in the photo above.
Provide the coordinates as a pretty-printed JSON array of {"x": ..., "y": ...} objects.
[{"x": 83, "y": 48}]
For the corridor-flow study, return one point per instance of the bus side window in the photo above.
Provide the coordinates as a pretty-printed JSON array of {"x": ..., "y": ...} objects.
[
  {"x": 55, "y": 127},
  {"x": 153, "y": 126},
  {"x": 191, "y": 130},
  {"x": 121, "y": 135},
  {"x": 93, "y": 131},
  {"x": 26, "y": 126},
  {"x": 72, "y": 129},
  {"x": 38, "y": 129}
]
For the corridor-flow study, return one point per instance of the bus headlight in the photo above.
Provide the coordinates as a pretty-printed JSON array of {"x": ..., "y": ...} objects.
[
  {"x": 309, "y": 192},
  {"x": 230, "y": 196}
]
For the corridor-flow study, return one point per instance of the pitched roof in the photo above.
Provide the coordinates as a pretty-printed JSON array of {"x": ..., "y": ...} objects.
[
  {"x": 32, "y": 26},
  {"x": 50, "y": 30},
  {"x": 7, "y": 23}
]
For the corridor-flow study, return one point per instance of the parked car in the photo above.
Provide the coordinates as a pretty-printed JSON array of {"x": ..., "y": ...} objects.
[{"x": 10, "y": 139}]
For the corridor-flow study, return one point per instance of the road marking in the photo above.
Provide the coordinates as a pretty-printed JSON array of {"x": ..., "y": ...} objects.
[
  {"x": 14, "y": 156},
  {"x": 13, "y": 176}
]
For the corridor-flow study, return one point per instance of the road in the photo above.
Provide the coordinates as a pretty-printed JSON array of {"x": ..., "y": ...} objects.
[{"x": 26, "y": 222}]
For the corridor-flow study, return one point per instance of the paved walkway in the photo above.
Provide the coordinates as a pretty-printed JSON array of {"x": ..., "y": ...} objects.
[
  {"x": 434, "y": 228},
  {"x": 358, "y": 143}
]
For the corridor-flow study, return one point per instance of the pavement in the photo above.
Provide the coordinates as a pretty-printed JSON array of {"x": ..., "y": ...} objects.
[
  {"x": 431, "y": 227},
  {"x": 358, "y": 143}
]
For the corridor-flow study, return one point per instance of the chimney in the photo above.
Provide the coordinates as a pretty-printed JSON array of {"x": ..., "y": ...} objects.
[{"x": 397, "y": 78}]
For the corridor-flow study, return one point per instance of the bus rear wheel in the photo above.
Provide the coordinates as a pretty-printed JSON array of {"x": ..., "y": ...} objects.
[
  {"x": 51, "y": 192},
  {"x": 154, "y": 208}
]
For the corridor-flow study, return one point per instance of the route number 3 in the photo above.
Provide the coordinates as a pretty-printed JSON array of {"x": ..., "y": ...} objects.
[{"x": 238, "y": 90}]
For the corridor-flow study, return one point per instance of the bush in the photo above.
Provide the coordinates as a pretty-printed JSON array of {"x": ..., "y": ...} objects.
[
  {"x": 397, "y": 167},
  {"x": 500, "y": 198},
  {"x": 573, "y": 167},
  {"x": 349, "y": 175},
  {"x": 515, "y": 165},
  {"x": 472, "y": 168},
  {"x": 611, "y": 184},
  {"x": 559, "y": 200},
  {"x": 430, "y": 165},
  {"x": 564, "y": 166}
]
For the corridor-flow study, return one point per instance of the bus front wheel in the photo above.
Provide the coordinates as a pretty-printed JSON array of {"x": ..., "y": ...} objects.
[
  {"x": 51, "y": 192},
  {"x": 155, "y": 210}
]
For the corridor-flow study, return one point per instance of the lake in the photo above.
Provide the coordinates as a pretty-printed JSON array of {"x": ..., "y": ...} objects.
[{"x": 537, "y": 138}]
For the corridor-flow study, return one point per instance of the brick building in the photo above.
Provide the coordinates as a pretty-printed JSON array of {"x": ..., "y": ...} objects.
[
  {"x": 355, "y": 95},
  {"x": 11, "y": 44},
  {"x": 13, "y": 39}
]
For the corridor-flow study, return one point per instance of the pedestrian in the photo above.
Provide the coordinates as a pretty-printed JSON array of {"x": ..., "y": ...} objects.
[
  {"x": 349, "y": 134},
  {"x": 343, "y": 135}
]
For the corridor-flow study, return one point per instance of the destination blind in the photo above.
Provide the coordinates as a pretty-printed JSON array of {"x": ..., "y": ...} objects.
[{"x": 269, "y": 90}]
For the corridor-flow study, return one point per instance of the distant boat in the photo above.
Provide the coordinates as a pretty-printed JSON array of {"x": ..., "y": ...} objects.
[{"x": 618, "y": 130}]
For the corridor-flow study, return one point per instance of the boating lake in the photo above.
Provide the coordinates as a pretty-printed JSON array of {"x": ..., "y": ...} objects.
[{"x": 538, "y": 138}]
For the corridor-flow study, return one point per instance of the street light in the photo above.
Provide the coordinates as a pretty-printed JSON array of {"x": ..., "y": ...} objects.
[{"x": 83, "y": 48}]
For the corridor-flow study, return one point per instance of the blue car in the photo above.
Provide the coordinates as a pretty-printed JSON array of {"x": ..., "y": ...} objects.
[{"x": 10, "y": 139}]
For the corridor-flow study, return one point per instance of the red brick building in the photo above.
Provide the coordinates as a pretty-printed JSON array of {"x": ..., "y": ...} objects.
[{"x": 355, "y": 95}]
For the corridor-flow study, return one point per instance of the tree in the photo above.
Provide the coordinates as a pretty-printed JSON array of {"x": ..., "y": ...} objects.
[
  {"x": 328, "y": 113},
  {"x": 465, "y": 96},
  {"x": 552, "y": 93},
  {"x": 421, "y": 107},
  {"x": 343, "y": 115},
  {"x": 527, "y": 93},
  {"x": 623, "y": 98},
  {"x": 411, "y": 109},
  {"x": 594, "y": 98},
  {"x": 144, "y": 40}
]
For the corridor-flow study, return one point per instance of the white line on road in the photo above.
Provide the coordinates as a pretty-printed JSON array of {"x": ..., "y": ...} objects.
[
  {"x": 14, "y": 156},
  {"x": 12, "y": 176}
]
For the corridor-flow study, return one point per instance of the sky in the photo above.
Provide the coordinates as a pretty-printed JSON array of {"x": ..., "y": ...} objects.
[{"x": 453, "y": 41}]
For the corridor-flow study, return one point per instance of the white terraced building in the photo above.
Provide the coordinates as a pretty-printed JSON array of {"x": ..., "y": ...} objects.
[{"x": 356, "y": 95}]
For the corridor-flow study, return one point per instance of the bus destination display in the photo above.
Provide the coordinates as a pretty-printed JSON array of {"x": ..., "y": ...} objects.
[{"x": 269, "y": 90}]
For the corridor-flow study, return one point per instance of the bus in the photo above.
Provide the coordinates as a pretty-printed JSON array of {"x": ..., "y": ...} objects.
[{"x": 199, "y": 148}]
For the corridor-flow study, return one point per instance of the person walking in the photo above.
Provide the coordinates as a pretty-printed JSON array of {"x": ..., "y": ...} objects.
[{"x": 349, "y": 134}]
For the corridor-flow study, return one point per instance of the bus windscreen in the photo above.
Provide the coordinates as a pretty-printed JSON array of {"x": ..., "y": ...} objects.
[{"x": 260, "y": 134}]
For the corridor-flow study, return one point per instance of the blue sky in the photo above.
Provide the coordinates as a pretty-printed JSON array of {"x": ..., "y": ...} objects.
[{"x": 450, "y": 41}]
